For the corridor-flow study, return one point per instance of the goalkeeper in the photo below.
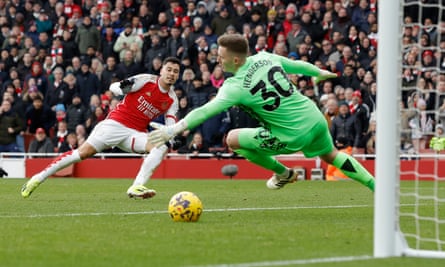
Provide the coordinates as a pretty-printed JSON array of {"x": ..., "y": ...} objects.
[{"x": 290, "y": 121}]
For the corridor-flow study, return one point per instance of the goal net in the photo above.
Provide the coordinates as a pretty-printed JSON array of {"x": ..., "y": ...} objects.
[{"x": 410, "y": 165}]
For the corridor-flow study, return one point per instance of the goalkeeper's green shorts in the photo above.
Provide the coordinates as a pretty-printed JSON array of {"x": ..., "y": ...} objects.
[{"x": 316, "y": 142}]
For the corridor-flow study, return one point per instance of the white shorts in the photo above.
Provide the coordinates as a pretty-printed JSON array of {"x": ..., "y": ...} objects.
[{"x": 110, "y": 133}]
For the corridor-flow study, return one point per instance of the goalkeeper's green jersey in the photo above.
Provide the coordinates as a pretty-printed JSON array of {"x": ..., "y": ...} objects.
[{"x": 262, "y": 88}]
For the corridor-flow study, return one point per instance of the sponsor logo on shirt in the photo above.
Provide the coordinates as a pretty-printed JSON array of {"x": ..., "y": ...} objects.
[{"x": 147, "y": 108}]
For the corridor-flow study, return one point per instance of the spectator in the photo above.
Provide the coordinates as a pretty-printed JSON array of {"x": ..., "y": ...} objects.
[
  {"x": 69, "y": 144},
  {"x": 353, "y": 40},
  {"x": 361, "y": 114},
  {"x": 41, "y": 143},
  {"x": 58, "y": 91},
  {"x": 183, "y": 107},
  {"x": 360, "y": 14},
  {"x": 312, "y": 27},
  {"x": 38, "y": 75},
  {"x": 203, "y": 12},
  {"x": 195, "y": 146},
  {"x": 209, "y": 35},
  {"x": 342, "y": 22},
  {"x": 176, "y": 45},
  {"x": 130, "y": 65},
  {"x": 197, "y": 30},
  {"x": 43, "y": 43},
  {"x": 18, "y": 106},
  {"x": 217, "y": 77},
  {"x": 331, "y": 111},
  {"x": 24, "y": 66},
  {"x": 221, "y": 21},
  {"x": 342, "y": 128},
  {"x": 327, "y": 25},
  {"x": 10, "y": 126},
  {"x": 108, "y": 40},
  {"x": 76, "y": 114},
  {"x": 155, "y": 66},
  {"x": 128, "y": 40},
  {"x": 87, "y": 82},
  {"x": 30, "y": 94},
  {"x": 87, "y": 35},
  {"x": 295, "y": 36},
  {"x": 71, "y": 48},
  {"x": 346, "y": 57},
  {"x": 261, "y": 45},
  {"x": 186, "y": 82},
  {"x": 422, "y": 126},
  {"x": 198, "y": 95},
  {"x": 243, "y": 16},
  {"x": 39, "y": 115},
  {"x": 156, "y": 50},
  {"x": 81, "y": 134},
  {"x": 60, "y": 136},
  {"x": 97, "y": 116},
  {"x": 111, "y": 73},
  {"x": 214, "y": 129},
  {"x": 349, "y": 78}
]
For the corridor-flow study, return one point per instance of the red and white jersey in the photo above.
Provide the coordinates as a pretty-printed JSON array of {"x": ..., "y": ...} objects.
[{"x": 145, "y": 102}]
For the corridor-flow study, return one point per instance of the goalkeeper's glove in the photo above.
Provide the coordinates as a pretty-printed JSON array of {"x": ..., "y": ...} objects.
[
  {"x": 324, "y": 75},
  {"x": 163, "y": 133}
]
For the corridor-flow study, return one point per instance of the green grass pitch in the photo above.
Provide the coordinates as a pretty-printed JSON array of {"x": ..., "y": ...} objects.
[{"x": 91, "y": 222}]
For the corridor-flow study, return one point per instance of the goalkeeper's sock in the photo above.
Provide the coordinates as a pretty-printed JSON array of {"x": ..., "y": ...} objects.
[
  {"x": 57, "y": 164},
  {"x": 353, "y": 169},
  {"x": 265, "y": 161},
  {"x": 149, "y": 165}
]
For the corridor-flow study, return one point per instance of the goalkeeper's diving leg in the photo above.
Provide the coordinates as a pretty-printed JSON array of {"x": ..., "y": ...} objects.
[{"x": 350, "y": 167}]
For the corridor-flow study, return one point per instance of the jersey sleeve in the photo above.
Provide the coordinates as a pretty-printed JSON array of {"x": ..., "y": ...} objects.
[
  {"x": 170, "y": 116},
  {"x": 298, "y": 66},
  {"x": 141, "y": 79}
]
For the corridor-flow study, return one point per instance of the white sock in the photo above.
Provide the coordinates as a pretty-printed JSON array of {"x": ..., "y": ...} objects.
[
  {"x": 57, "y": 164},
  {"x": 149, "y": 165}
]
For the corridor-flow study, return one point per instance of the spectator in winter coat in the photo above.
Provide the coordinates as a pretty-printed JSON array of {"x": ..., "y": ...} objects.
[
  {"x": 87, "y": 35},
  {"x": 10, "y": 126},
  {"x": 128, "y": 40},
  {"x": 42, "y": 143},
  {"x": 39, "y": 116}
]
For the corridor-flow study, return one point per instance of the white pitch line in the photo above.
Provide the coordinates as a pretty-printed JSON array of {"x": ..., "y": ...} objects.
[
  {"x": 291, "y": 262},
  {"x": 162, "y": 211}
]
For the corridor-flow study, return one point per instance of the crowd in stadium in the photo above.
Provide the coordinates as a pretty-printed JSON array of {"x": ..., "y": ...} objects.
[{"x": 58, "y": 59}]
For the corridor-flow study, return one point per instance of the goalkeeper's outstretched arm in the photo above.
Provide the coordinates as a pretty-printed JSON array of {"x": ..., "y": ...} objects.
[{"x": 192, "y": 120}]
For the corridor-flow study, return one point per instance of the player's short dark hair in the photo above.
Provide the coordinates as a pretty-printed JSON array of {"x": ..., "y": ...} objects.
[
  {"x": 173, "y": 60},
  {"x": 235, "y": 43}
]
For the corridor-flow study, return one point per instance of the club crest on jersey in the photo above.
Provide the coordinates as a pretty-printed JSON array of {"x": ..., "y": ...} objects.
[{"x": 148, "y": 94}]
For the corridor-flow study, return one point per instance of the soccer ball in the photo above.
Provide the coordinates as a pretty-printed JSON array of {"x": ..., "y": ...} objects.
[{"x": 185, "y": 207}]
